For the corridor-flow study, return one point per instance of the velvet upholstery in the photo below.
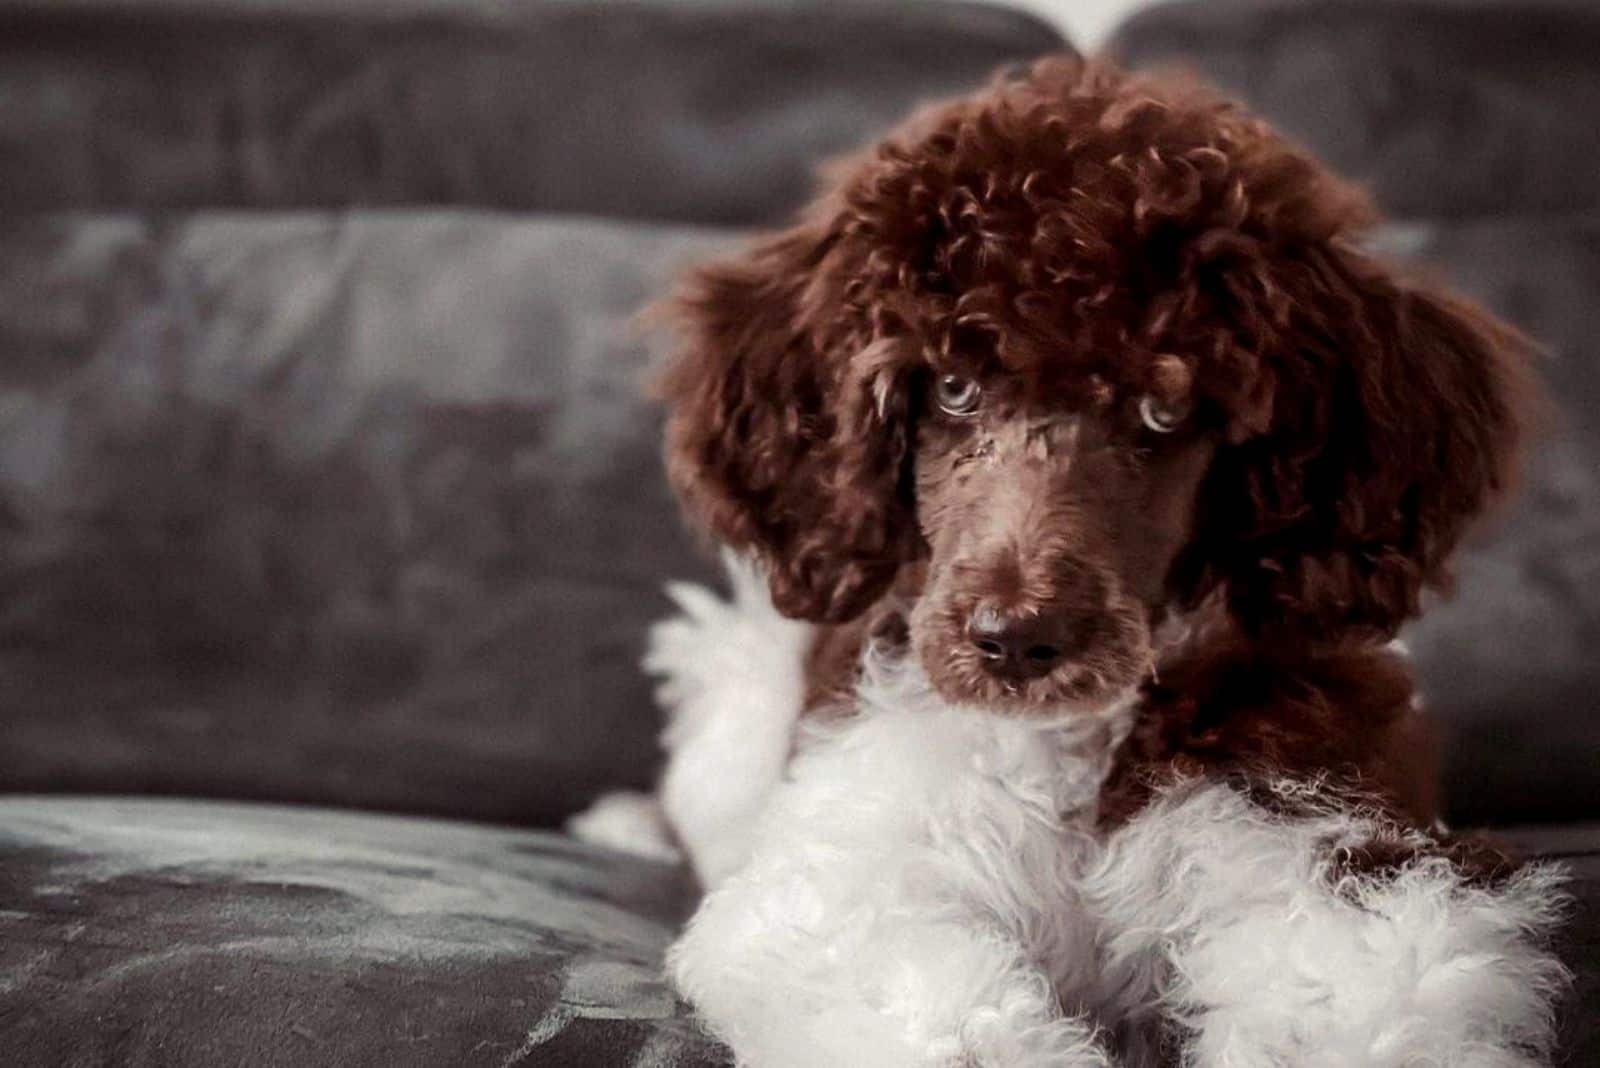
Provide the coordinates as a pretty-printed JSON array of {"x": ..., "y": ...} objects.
[
  {"x": 193, "y": 935},
  {"x": 362, "y": 509},
  {"x": 1444, "y": 108},
  {"x": 694, "y": 110}
]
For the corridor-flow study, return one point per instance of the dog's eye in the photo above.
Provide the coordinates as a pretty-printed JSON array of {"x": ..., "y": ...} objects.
[
  {"x": 957, "y": 395},
  {"x": 1159, "y": 417}
]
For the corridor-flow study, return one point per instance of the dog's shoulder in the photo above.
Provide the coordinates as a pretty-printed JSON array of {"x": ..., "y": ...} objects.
[{"x": 1226, "y": 705}]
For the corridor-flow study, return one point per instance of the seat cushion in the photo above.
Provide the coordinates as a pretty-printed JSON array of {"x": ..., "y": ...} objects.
[{"x": 192, "y": 935}]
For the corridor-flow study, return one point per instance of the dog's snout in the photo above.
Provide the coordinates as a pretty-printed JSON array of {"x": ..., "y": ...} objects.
[{"x": 1017, "y": 647}]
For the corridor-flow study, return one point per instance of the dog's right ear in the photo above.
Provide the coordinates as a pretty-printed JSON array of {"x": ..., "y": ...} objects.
[{"x": 788, "y": 425}]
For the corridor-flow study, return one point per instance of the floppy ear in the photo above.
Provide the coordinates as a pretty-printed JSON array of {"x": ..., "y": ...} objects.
[
  {"x": 787, "y": 428},
  {"x": 1394, "y": 419}
]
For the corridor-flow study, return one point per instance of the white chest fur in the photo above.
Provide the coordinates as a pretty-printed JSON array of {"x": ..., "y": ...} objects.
[{"x": 911, "y": 899}]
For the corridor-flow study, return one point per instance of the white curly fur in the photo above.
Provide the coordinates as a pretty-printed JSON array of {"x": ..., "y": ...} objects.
[
  {"x": 1263, "y": 955},
  {"x": 909, "y": 900},
  {"x": 925, "y": 887},
  {"x": 733, "y": 679}
]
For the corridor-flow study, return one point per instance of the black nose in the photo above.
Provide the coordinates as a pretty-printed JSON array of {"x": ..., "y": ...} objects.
[{"x": 1016, "y": 647}]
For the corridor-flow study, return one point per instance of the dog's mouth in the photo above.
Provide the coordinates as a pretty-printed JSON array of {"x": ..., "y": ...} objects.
[{"x": 1115, "y": 656}]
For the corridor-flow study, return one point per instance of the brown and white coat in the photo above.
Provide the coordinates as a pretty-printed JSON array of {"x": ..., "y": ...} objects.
[{"x": 1082, "y": 456}]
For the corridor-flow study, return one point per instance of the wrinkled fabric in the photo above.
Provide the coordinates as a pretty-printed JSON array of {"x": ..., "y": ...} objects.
[
  {"x": 1507, "y": 660},
  {"x": 192, "y": 935},
  {"x": 363, "y": 509},
  {"x": 1442, "y": 109},
  {"x": 700, "y": 111}
]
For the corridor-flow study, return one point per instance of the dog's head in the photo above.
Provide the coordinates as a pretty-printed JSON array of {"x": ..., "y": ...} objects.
[{"x": 1093, "y": 348}]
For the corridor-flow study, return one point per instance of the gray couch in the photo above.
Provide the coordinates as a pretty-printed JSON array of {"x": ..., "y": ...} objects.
[{"x": 326, "y": 485}]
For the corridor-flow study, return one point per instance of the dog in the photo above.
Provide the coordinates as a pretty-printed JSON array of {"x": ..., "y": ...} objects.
[{"x": 1088, "y": 468}]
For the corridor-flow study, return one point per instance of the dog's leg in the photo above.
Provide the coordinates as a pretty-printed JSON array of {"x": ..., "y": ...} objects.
[
  {"x": 732, "y": 684},
  {"x": 629, "y": 822},
  {"x": 1268, "y": 947}
]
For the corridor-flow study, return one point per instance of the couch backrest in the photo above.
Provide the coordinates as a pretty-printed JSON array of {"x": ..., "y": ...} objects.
[
  {"x": 690, "y": 110},
  {"x": 360, "y": 509}
]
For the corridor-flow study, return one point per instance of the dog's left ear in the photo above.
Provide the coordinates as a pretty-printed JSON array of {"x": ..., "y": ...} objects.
[{"x": 1387, "y": 415}]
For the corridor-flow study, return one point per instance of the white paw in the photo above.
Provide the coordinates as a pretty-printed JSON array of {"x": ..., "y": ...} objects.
[
  {"x": 629, "y": 823},
  {"x": 715, "y": 642},
  {"x": 733, "y": 679}
]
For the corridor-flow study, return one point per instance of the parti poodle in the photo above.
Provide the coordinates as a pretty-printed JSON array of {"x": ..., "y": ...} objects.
[{"x": 1086, "y": 467}]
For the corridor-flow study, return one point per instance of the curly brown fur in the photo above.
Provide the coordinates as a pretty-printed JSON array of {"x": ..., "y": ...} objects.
[
  {"x": 1088, "y": 249},
  {"x": 1223, "y": 705}
]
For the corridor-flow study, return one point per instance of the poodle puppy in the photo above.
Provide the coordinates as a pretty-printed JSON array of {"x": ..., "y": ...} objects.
[{"x": 1088, "y": 467}]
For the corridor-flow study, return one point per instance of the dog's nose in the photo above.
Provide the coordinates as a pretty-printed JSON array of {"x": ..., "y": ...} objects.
[{"x": 1014, "y": 647}]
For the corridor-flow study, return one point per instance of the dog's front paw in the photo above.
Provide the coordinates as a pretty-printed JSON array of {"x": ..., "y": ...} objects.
[
  {"x": 685, "y": 651},
  {"x": 716, "y": 645},
  {"x": 628, "y": 822},
  {"x": 733, "y": 680}
]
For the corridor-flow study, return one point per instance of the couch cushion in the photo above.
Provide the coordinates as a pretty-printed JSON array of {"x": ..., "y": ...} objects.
[
  {"x": 188, "y": 935},
  {"x": 195, "y": 935},
  {"x": 704, "y": 110},
  {"x": 1443, "y": 107},
  {"x": 363, "y": 510}
]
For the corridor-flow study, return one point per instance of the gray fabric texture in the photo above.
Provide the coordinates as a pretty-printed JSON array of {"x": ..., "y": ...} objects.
[
  {"x": 668, "y": 109},
  {"x": 362, "y": 509},
  {"x": 1507, "y": 659},
  {"x": 196, "y": 935},
  {"x": 1444, "y": 108}
]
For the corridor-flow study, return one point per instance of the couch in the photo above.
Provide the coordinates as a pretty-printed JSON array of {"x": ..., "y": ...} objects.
[{"x": 331, "y": 515}]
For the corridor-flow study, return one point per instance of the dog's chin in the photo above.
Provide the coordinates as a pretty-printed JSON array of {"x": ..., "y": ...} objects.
[{"x": 1086, "y": 686}]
